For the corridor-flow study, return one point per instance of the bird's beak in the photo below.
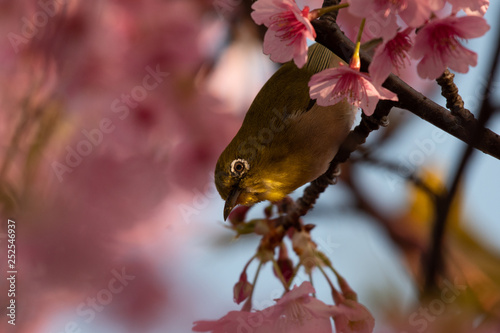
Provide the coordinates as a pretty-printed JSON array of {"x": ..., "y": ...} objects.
[{"x": 232, "y": 200}]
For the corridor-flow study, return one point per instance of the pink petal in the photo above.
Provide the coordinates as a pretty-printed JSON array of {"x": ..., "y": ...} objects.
[
  {"x": 304, "y": 289},
  {"x": 231, "y": 322},
  {"x": 300, "y": 52},
  {"x": 288, "y": 29},
  {"x": 422, "y": 45},
  {"x": 381, "y": 65},
  {"x": 438, "y": 44},
  {"x": 335, "y": 84},
  {"x": 430, "y": 67},
  {"x": 275, "y": 48},
  {"x": 368, "y": 103},
  {"x": 322, "y": 84},
  {"x": 264, "y": 10},
  {"x": 462, "y": 59},
  {"x": 308, "y": 30},
  {"x": 469, "y": 26},
  {"x": 351, "y": 316},
  {"x": 418, "y": 12},
  {"x": 389, "y": 55}
]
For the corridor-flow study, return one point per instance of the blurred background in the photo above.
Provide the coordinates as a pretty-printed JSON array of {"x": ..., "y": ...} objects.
[{"x": 113, "y": 114}]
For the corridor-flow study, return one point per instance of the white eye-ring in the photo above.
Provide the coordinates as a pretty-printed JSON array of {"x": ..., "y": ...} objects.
[{"x": 239, "y": 167}]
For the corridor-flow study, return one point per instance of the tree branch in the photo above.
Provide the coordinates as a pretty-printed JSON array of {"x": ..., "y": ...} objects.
[
  {"x": 355, "y": 138},
  {"x": 330, "y": 35},
  {"x": 435, "y": 259},
  {"x": 454, "y": 101}
]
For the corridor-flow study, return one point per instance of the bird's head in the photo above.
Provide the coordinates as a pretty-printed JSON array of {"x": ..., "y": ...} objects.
[{"x": 245, "y": 177}]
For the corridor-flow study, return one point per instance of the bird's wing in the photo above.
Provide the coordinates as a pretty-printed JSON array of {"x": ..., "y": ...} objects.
[
  {"x": 286, "y": 93},
  {"x": 320, "y": 58}
]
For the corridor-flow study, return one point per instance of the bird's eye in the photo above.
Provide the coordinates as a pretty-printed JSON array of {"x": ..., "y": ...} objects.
[{"x": 239, "y": 167}]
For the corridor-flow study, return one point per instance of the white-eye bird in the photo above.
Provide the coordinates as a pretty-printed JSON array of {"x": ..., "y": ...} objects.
[{"x": 286, "y": 139}]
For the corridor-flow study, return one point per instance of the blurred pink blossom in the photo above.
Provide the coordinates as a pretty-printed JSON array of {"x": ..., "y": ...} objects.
[
  {"x": 289, "y": 29},
  {"x": 82, "y": 64},
  {"x": 437, "y": 45}
]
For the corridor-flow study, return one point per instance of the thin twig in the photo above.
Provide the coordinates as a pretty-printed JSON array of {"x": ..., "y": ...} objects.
[
  {"x": 443, "y": 204},
  {"x": 404, "y": 238},
  {"x": 367, "y": 157}
]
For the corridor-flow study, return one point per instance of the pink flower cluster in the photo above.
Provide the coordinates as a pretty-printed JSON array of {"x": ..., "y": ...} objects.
[
  {"x": 296, "y": 312},
  {"x": 436, "y": 45},
  {"x": 289, "y": 29}
]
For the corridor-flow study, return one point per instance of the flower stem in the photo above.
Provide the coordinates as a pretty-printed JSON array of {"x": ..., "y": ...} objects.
[
  {"x": 314, "y": 14},
  {"x": 295, "y": 271},
  {"x": 355, "y": 61},
  {"x": 248, "y": 263},
  {"x": 335, "y": 294},
  {"x": 312, "y": 284},
  {"x": 248, "y": 304},
  {"x": 280, "y": 275},
  {"x": 360, "y": 33}
]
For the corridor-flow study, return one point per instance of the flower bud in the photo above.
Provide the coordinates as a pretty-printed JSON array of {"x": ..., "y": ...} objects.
[
  {"x": 242, "y": 289},
  {"x": 238, "y": 215},
  {"x": 285, "y": 264}
]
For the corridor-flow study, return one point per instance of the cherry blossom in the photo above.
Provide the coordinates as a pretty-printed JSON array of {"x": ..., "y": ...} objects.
[
  {"x": 437, "y": 45},
  {"x": 231, "y": 322},
  {"x": 336, "y": 84},
  {"x": 289, "y": 29},
  {"x": 390, "y": 55},
  {"x": 351, "y": 316},
  {"x": 295, "y": 312}
]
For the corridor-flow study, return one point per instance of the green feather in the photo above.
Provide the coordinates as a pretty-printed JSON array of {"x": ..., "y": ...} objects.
[
  {"x": 286, "y": 138},
  {"x": 319, "y": 58},
  {"x": 286, "y": 93}
]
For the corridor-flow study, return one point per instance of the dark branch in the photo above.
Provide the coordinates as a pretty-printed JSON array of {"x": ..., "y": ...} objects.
[
  {"x": 355, "y": 138},
  {"x": 435, "y": 256},
  {"x": 330, "y": 35}
]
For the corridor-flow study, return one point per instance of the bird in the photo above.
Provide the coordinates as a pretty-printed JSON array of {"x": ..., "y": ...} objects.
[{"x": 286, "y": 139}]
